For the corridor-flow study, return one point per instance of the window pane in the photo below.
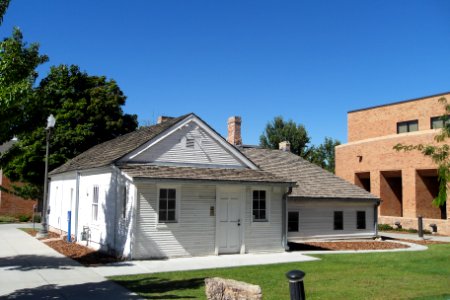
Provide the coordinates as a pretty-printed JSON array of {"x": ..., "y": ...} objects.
[
  {"x": 171, "y": 215},
  {"x": 338, "y": 220},
  {"x": 163, "y": 193},
  {"x": 437, "y": 122},
  {"x": 262, "y": 195},
  {"x": 402, "y": 127},
  {"x": 255, "y": 195},
  {"x": 172, "y": 194},
  {"x": 413, "y": 126},
  {"x": 262, "y": 214},
  {"x": 262, "y": 204},
  {"x": 255, "y": 214},
  {"x": 255, "y": 204},
  {"x": 162, "y": 204},
  {"x": 293, "y": 221},
  {"x": 361, "y": 220},
  {"x": 162, "y": 215},
  {"x": 171, "y": 204}
]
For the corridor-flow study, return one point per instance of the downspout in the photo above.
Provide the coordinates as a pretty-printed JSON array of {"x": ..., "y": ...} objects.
[
  {"x": 375, "y": 215},
  {"x": 77, "y": 202},
  {"x": 284, "y": 209}
]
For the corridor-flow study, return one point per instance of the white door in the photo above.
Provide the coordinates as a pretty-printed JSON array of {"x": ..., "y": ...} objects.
[{"x": 229, "y": 222}]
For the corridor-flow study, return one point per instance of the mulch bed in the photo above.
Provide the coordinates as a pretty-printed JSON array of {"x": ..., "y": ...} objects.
[
  {"x": 363, "y": 245},
  {"x": 80, "y": 253}
]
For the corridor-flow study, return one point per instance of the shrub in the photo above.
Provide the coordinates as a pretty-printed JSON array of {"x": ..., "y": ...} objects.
[
  {"x": 7, "y": 219},
  {"x": 24, "y": 218},
  {"x": 37, "y": 218},
  {"x": 385, "y": 227}
]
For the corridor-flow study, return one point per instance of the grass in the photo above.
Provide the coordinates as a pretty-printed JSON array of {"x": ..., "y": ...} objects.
[{"x": 401, "y": 275}]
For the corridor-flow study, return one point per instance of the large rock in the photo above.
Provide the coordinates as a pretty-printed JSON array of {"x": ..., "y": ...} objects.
[{"x": 228, "y": 289}]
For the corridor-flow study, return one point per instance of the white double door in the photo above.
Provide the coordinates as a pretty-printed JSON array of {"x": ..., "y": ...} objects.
[{"x": 229, "y": 221}]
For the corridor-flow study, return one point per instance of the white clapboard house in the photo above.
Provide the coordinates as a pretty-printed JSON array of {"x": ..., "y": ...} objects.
[{"x": 179, "y": 189}]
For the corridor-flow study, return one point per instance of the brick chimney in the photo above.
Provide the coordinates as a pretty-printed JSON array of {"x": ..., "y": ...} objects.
[
  {"x": 285, "y": 146},
  {"x": 162, "y": 119},
  {"x": 234, "y": 131}
]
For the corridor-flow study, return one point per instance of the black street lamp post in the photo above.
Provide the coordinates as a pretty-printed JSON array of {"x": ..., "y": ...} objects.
[{"x": 44, "y": 229}]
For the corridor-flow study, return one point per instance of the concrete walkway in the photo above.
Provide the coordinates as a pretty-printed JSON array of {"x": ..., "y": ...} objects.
[
  {"x": 415, "y": 236},
  {"x": 199, "y": 263},
  {"x": 31, "y": 270}
]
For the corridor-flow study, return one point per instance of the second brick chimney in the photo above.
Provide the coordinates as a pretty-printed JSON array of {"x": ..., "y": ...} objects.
[
  {"x": 234, "y": 131},
  {"x": 285, "y": 146}
]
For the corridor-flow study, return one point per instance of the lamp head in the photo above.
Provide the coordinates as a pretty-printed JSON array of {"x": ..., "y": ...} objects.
[{"x": 51, "y": 121}]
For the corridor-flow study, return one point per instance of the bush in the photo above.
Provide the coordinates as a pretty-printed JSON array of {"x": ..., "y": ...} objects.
[
  {"x": 24, "y": 218},
  {"x": 7, "y": 219},
  {"x": 385, "y": 227}
]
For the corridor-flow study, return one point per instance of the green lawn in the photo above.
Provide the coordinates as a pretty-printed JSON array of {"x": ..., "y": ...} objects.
[{"x": 402, "y": 275}]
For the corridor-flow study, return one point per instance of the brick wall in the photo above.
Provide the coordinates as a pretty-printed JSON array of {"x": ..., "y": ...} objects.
[
  {"x": 443, "y": 226},
  {"x": 11, "y": 205},
  {"x": 372, "y": 134},
  {"x": 382, "y": 121}
]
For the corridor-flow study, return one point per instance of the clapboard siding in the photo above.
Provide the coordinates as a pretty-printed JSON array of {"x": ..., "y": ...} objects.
[
  {"x": 206, "y": 151},
  {"x": 194, "y": 234},
  {"x": 264, "y": 236},
  {"x": 316, "y": 219}
]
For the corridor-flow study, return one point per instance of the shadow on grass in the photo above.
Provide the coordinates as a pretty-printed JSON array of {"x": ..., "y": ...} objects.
[
  {"x": 304, "y": 247},
  {"x": 98, "y": 290},
  {"x": 153, "y": 288}
]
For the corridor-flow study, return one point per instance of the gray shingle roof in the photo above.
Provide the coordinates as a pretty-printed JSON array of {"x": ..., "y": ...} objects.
[
  {"x": 108, "y": 152},
  {"x": 312, "y": 181},
  {"x": 208, "y": 174}
]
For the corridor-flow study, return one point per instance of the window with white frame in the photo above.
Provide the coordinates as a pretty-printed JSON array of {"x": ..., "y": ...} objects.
[
  {"x": 95, "y": 194},
  {"x": 259, "y": 206},
  {"x": 167, "y": 205},
  {"x": 361, "y": 219}
]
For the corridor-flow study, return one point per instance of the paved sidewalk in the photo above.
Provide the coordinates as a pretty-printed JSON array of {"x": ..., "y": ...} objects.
[
  {"x": 415, "y": 236},
  {"x": 31, "y": 270},
  {"x": 199, "y": 263}
]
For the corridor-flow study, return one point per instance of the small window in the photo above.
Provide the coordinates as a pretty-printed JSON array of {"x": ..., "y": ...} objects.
[
  {"x": 259, "y": 206},
  {"x": 190, "y": 143},
  {"x": 124, "y": 201},
  {"x": 438, "y": 122},
  {"x": 360, "y": 220},
  {"x": 95, "y": 203},
  {"x": 338, "y": 220},
  {"x": 293, "y": 221},
  {"x": 407, "y": 126},
  {"x": 167, "y": 205}
]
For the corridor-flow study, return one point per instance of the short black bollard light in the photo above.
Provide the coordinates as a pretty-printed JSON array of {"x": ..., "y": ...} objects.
[
  {"x": 296, "y": 286},
  {"x": 420, "y": 226}
]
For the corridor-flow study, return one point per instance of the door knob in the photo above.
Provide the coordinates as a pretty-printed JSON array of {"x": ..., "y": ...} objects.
[{"x": 239, "y": 222}]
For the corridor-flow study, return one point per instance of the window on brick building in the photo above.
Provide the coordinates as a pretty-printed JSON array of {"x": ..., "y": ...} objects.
[
  {"x": 438, "y": 122},
  {"x": 407, "y": 126}
]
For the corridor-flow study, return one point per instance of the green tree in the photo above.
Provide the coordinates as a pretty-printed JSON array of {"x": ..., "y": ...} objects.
[
  {"x": 3, "y": 7},
  {"x": 279, "y": 130},
  {"x": 439, "y": 153},
  {"x": 88, "y": 111},
  {"x": 18, "y": 63},
  {"x": 324, "y": 154}
]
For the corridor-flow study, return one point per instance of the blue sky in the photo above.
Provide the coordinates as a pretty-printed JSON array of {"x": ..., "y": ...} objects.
[{"x": 310, "y": 61}]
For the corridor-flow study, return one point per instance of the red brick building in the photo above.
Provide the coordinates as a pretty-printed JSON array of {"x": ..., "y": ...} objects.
[
  {"x": 11, "y": 205},
  {"x": 406, "y": 182}
]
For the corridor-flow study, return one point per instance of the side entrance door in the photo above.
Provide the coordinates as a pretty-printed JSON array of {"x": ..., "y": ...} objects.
[{"x": 229, "y": 238}]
